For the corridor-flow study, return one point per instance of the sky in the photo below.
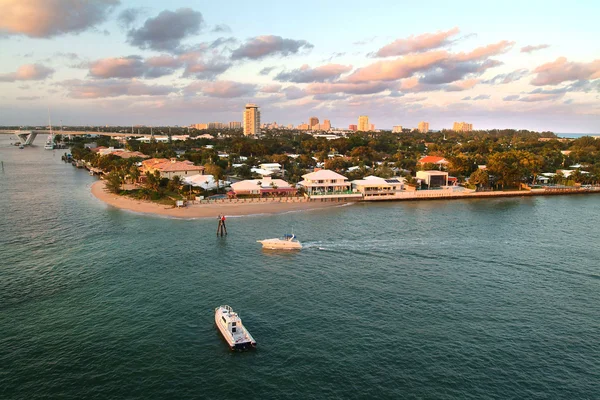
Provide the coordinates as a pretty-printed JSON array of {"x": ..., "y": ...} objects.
[{"x": 511, "y": 64}]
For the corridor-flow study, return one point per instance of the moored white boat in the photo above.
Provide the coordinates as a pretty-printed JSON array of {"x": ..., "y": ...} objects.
[
  {"x": 233, "y": 331},
  {"x": 287, "y": 242}
]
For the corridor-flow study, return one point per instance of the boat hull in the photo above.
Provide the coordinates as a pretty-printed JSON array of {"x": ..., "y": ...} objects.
[{"x": 277, "y": 244}]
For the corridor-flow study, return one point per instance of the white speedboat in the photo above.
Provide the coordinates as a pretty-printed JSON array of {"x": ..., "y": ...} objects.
[
  {"x": 287, "y": 242},
  {"x": 232, "y": 329}
]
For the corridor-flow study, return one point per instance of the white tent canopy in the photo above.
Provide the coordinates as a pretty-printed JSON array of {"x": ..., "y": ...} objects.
[{"x": 206, "y": 182}]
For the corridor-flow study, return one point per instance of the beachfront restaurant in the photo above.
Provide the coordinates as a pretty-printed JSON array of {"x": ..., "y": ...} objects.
[
  {"x": 325, "y": 183},
  {"x": 433, "y": 178}
]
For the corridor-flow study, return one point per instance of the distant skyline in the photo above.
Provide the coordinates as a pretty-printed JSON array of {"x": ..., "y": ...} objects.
[{"x": 523, "y": 65}]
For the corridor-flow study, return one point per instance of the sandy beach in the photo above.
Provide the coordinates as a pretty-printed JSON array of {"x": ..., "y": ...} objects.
[{"x": 201, "y": 210}]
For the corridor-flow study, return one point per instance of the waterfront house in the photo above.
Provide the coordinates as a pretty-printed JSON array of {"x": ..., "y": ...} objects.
[
  {"x": 374, "y": 186},
  {"x": 433, "y": 178},
  {"x": 275, "y": 168},
  {"x": 262, "y": 186},
  {"x": 327, "y": 184},
  {"x": 206, "y": 182},
  {"x": 170, "y": 168}
]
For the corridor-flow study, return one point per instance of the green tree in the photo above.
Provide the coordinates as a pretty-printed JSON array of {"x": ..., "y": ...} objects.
[
  {"x": 153, "y": 181},
  {"x": 480, "y": 177},
  {"x": 134, "y": 173},
  {"x": 174, "y": 184},
  {"x": 113, "y": 181}
]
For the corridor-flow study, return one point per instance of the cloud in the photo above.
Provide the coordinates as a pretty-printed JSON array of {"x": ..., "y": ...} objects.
[
  {"x": 206, "y": 69},
  {"x": 268, "y": 45},
  {"x": 28, "y": 72},
  {"x": 223, "y": 89},
  {"x": 221, "y": 28},
  {"x": 222, "y": 41},
  {"x": 399, "y": 68},
  {"x": 414, "y": 85},
  {"x": 273, "y": 88},
  {"x": 511, "y": 97},
  {"x": 395, "y": 93},
  {"x": 134, "y": 67},
  {"x": 305, "y": 74},
  {"x": 70, "y": 56},
  {"x": 128, "y": 16},
  {"x": 459, "y": 86},
  {"x": 294, "y": 92},
  {"x": 507, "y": 78},
  {"x": 561, "y": 70},
  {"x": 417, "y": 44},
  {"x": 266, "y": 70},
  {"x": 541, "y": 97},
  {"x": 48, "y": 18},
  {"x": 328, "y": 96},
  {"x": 466, "y": 98},
  {"x": 451, "y": 71},
  {"x": 28, "y": 98},
  {"x": 348, "y": 87},
  {"x": 366, "y": 41},
  {"x": 484, "y": 52},
  {"x": 530, "y": 49},
  {"x": 80, "y": 89},
  {"x": 482, "y": 97},
  {"x": 166, "y": 31}
]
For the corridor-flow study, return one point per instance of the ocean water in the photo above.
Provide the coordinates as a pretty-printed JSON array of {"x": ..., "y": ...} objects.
[{"x": 469, "y": 299}]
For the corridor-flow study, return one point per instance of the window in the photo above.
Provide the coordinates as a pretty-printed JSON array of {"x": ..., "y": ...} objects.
[
  {"x": 233, "y": 330},
  {"x": 224, "y": 320},
  {"x": 233, "y": 323}
]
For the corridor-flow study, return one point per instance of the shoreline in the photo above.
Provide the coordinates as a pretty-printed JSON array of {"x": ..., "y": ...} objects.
[
  {"x": 244, "y": 209},
  {"x": 202, "y": 210}
]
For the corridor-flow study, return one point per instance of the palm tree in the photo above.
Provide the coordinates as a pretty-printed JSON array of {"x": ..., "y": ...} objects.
[{"x": 134, "y": 173}]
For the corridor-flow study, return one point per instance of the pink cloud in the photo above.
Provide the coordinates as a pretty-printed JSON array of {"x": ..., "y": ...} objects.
[
  {"x": 46, "y": 18},
  {"x": 417, "y": 44},
  {"x": 305, "y": 74},
  {"x": 348, "y": 87},
  {"x": 28, "y": 72},
  {"x": 80, "y": 89},
  {"x": 561, "y": 70},
  {"x": 399, "y": 68},
  {"x": 484, "y": 52},
  {"x": 530, "y": 49},
  {"x": 227, "y": 89},
  {"x": 273, "y": 88},
  {"x": 122, "y": 67},
  {"x": 134, "y": 67}
]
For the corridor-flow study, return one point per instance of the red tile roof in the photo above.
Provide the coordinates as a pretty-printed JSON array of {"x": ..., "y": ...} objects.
[{"x": 432, "y": 160}]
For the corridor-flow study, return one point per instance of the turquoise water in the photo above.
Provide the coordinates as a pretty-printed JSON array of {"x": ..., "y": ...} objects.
[{"x": 473, "y": 299}]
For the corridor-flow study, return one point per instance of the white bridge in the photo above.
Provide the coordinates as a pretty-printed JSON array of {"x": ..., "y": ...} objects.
[{"x": 27, "y": 137}]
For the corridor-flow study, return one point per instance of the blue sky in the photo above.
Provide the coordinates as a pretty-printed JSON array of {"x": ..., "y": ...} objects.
[{"x": 398, "y": 62}]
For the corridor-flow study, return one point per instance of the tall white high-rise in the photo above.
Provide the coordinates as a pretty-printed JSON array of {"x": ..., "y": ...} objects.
[{"x": 251, "y": 120}]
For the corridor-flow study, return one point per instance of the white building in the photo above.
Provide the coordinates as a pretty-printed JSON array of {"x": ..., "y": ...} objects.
[
  {"x": 261, "y": 171},
  {"x": 206, "y": 182},
  {"x": 275, "y": 168},
  {"x": 433, "y": 178},
  {"x": 374, "y": 186},
  {"x": 397, "y": 129},
  {"x": 262, "y": 186},
  {"x": 327, "y": 183}
]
